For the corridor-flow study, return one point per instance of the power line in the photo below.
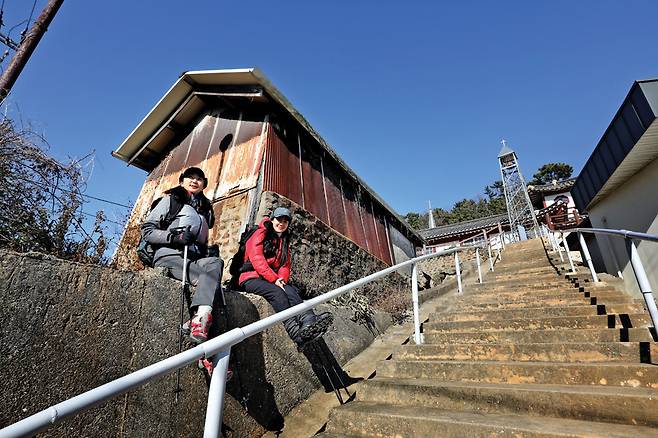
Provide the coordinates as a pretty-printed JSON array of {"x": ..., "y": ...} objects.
[
  {"x": 43, "y": 186},
  {"x": 105, "y": 219},
  {"x": 27, "y": 25}
]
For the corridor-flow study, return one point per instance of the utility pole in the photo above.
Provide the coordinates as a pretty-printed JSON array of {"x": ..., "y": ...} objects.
[{"x": 27, "y": 46}]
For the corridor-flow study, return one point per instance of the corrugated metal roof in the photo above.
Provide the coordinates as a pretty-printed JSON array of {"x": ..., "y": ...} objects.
[
  {"x": 464, "y": 227},
  {"x": 629, "y": 143},
  {"x": 147, "y": 144}
]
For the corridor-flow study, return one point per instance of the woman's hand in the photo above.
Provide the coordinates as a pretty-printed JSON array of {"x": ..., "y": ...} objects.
[{"x": 280, "y": 282}]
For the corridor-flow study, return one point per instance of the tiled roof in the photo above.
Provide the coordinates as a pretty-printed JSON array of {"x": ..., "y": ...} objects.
[
  {"x": 559, "y": 186},
  {"x": 464, "y": 227}
]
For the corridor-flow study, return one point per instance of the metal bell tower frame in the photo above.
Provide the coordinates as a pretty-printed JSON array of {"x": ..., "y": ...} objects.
[{"x": 519, "y": 207}]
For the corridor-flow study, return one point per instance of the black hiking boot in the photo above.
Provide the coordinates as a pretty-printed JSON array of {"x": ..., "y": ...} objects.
[
  {"x": 292, "y": 327},
  {"x": 313, "y": 327}
]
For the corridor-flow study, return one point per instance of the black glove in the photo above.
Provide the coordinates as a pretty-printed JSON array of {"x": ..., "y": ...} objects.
[{"x": 181, "y": 237}]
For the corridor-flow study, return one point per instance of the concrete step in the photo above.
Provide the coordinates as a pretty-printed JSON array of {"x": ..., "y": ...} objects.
[
  {"x": 541, "y": 336},
  {"x": 545, "y": 298},
  {"x": 578, "y": 402},
  {"x": 533, "y": 352},
  {"x": 562, "y": 322},
  {"x": 506, "y": 270},
  {"x": 605, "y": 374},
  {"x": 523, "y": 283},
  {"x": 524, "y": 276},
  {"x": 363, "y": 419},
  {"x": 549, "y": 293},
  {"x": 502, "y": 271},
  {"x": 513, "y": 292},
  {"x": 546, "y": 302},
  {"x": 527, "y": 260},
  {"x": 536, "y": 312}
]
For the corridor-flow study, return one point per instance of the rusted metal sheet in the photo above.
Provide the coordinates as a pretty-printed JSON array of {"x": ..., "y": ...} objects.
[
  {"x": 201, "y": 141},
  {"x": 241, "y": 161},
  {"x": 314, "y": 200},
  {"x": 232, "y": 167},
  {"x": 382, "y": 235},
  {"x": 369, "y": 225},
  {"x": 222, "y": 139},
  {"x": 332, "y": 185},
  {"x": 325, "y": 192},
  {"x": 352, "y": 215},
  {"x": 175, "y": 164},
  {"x": 282, "y": 168}
]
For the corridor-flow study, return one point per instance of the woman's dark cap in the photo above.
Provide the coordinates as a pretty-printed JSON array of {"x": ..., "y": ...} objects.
[
  {"x": 281, "y": 211},
  {"x": 194, "y": 171}
]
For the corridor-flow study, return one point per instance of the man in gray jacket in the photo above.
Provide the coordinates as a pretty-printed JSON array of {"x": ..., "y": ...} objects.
[{"x": 189, "y": 228}]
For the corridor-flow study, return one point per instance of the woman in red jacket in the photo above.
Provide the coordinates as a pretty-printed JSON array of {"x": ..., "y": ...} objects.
[{"x": 266, "y": 272}]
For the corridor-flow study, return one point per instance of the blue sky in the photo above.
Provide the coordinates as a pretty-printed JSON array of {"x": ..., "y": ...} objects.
[{"x": 415, "y": 96}]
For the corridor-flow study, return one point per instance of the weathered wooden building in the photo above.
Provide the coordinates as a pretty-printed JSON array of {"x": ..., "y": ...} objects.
[{"x": 257, "y": 152}]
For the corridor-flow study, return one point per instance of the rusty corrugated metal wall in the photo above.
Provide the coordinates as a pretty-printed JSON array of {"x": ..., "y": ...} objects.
[
  {"x": 295, "y": 170},
  {"x": 230, "y": 152}
]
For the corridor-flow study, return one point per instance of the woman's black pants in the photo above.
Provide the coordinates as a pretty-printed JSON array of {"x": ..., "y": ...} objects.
[{"x": 280, "y": 299}]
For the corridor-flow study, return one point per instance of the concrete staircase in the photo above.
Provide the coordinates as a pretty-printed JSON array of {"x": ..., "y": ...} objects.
[{"x": 529, "y": 353}]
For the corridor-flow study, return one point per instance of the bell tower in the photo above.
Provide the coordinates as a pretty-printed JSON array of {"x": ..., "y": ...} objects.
[{"x": 519, "y": 208}]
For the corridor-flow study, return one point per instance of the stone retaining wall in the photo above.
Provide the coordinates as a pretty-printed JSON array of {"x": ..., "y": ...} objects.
[{"x": 70, "y": 327}]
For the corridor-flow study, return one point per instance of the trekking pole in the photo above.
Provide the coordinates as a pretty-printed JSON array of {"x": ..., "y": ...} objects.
[
  {"x": 339, "y": 396},
  {"x": 337, "y": 372},
  {"x": 180, "y": 326}
]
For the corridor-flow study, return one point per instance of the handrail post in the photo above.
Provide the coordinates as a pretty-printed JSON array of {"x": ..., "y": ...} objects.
[
  {"x": 459, "y": 274},
  {"x": 642, "y": 281},
  {"x": 556, "y": 247},
  {"x": 559, "y": 251},
  {"x": 477, "y": 256},
  {"x": 583, "y": 245},
  {"x": 215, "y": 407},
  {"x": 549, "y": 235},
  {"x": 490, "y": 259},
  {"x": 414, "y": 298},
  {"x": 502, "y": 236},
  {"x": 566, "y": 247}
]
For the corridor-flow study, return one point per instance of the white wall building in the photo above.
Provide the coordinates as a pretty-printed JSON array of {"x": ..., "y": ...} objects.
[{"x": 618, "y": 186}]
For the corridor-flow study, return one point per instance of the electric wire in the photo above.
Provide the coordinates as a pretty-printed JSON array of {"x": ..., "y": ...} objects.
[
  {"x": 83, "y": 212},
  {"x": 43, "y": 186},
  {"x": 104, "y": 219},
  {"x": 84, "y": 195},
  {"x": 27, "y": 25},
  {"x": 2, "y": 13}
]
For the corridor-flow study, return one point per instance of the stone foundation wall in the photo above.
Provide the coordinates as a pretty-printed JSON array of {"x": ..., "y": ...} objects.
[{"x": 71, "y": 327}]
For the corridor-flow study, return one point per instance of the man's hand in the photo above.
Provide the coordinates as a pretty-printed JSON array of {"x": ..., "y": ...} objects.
[
  {"x": 280, "y": 282},
  {"x": 181, "y": 237}
]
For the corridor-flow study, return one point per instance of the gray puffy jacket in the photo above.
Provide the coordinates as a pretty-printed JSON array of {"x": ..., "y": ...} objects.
[{"x": 188, "y": 216}]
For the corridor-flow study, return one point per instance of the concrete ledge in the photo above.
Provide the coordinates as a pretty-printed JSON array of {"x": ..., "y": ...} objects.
[{"x": 70, "y": 327}]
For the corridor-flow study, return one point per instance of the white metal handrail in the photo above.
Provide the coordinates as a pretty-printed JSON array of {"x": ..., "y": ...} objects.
[
  {"x": 633, "y": 256},
  {"x": 220, "y": 349}
]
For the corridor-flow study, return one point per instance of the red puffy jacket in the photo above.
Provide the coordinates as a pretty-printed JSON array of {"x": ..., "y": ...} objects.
[{"x": 269, "y": 269}]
